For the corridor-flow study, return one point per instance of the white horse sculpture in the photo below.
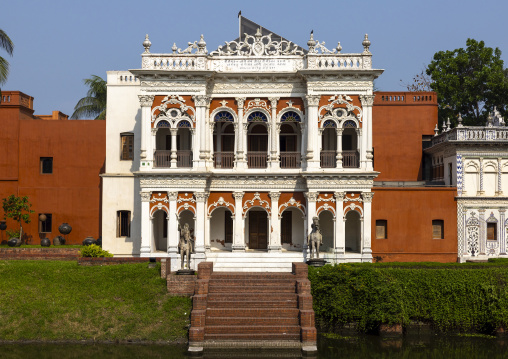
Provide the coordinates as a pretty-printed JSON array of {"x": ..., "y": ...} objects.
[{"x": 315, "y": 239}]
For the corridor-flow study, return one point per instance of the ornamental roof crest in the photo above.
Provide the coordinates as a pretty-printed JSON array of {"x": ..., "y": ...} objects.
[{"x": 258, "y": 45}]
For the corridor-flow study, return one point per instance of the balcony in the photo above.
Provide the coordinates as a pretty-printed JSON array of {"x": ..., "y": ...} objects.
[
  {"x": 350, "y": 159},
  {"x": 162, "y": 159},
  {"x": 328, "y": 159},
  {"x": 256, "y": 159},
  {"x": 290, "y": 160},
  {"x": 223, "y": 159}
]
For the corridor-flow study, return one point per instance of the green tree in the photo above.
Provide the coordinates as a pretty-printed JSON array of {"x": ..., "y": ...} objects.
[
  {"x": 94, "y": 104},
  {"x": 471, "y": 81},
  {"x": 17, "y": 208},
  {"x": 7, "y": 45}
]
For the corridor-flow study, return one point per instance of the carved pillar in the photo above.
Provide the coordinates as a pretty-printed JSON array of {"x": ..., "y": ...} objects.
[
  {"x": 201, "y": 102},
  {"x": 274, "y": 139},
  {"x": 499, "y": 191},
  {"x": 151, "y": 146},
  {"x": 367, "y": 224},
  {"x": 238, "y": 237},
  {"x": 173, "y": 234},
  {"x": 174, "y": 132},
  {"x": 312, "y": 133},
  {"x": 483, "y": 236},
  {"x": 275, "y": 244},
  {"x": 209, "y": 134},
  {"x": 481, "y": 192},
  {"x": 195, "y": 152},
  {"x": 368, "y": 156},
  {"x": 146, "y": 224},
  {"x": 146, "y": 121},
  {"x": 502, "y": 232},
  {"x": 240, "y": 136},
  {"x": 303, "y": 145},
  {"x": 340, "y": 226},
  {"x": 311, "y": 213},
  {"x": 207, "y": 230},
  {"x": 200, "y": 221},
  {"x": 339, "y": 147}
]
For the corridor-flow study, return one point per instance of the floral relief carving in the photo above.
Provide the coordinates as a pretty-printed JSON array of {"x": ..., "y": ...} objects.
[
  {"x": 221, "y": 203},
  {"x": 291, "y": 203},
  {"x": 257, "y": 103},
  {"x": 171, "y": 114},
  {"x": 333, "y": 111},
  {"x": 257, "y": 198}
]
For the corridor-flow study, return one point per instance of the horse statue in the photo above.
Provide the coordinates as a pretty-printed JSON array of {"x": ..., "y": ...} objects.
[
  {"x": 315, "y": 239},
  {"x": 185, "y": 245}
]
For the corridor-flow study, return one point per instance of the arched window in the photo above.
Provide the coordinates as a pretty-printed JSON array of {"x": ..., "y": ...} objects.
[
  {"x": 223, "y": 116},
  {"x": 184, "y": 124},
  {"x": 257, "y": 116},
  {"x": 329, "y": 124},
  {"x": 349, "y": 124},
  {"x": 290, "y": 116},
  {"x": 163, "y": 124}
]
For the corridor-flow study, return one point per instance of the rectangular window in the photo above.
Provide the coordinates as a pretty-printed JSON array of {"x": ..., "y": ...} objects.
[
  {"x": 437, "y": 229},
  {"x": 381, "y": 228},
  {"x": 46, "y": 165},
  {"x": 127, "y": 150},
  {"x": 123, "y": 223},
  {"x": 492, "y": 231},
  {"x": 45, "y": 220}
]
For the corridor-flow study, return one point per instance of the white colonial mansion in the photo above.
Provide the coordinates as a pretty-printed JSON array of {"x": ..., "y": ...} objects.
[{"x": 246, "y": 144}]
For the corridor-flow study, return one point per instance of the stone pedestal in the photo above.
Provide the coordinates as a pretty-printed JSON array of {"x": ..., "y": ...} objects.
[{"x": 316, "y": 262}]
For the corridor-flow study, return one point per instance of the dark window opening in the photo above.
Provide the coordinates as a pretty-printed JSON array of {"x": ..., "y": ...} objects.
[
  {"x": 228, "y": 227},
  {"x": 46, "y": 165},
  {"x": 492, "y": 231},
  {"x": 45, "y": 225},
  {"x": 127, "y": 147},
  {"x": 123, "y": 224},
  {"x": 381, "y": 229},
  {"x": 286, "y": 225}
]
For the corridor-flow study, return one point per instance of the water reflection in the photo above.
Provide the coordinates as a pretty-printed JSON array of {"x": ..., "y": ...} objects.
[{"x": 432, "y": 346}]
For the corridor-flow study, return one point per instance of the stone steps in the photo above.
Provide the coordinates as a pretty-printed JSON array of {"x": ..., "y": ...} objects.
[{"x": 257, "y": 321}]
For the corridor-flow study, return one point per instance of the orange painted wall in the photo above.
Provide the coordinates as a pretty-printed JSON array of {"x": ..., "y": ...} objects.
[
  {"x": 409, "y": 213},
  {"x": 72, "y": 193},
  {"x": 399, "y": 121}
]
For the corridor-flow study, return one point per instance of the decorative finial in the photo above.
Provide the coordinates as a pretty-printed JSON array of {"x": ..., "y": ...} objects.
[
  {"x": 459, "y": 120},
  {"x": 339, "y": 48},
  {"x": 147, "y": 44},
  {"x": 436, "y": 130},
  {"x": 311, "y": 43},
  {"x": 366, "y": 44},
  {"x": 490, "y": 120},
  {"x": 258, "y": 33},
  {"x": 174, "y": 48},
  {"x": 448, "y": 124},
  {"x": 202, "y": 45},
  {"x": 443, "y": 128}
]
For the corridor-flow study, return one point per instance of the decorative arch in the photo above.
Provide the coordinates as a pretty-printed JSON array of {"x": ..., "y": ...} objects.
[
  {"x": 290, "y": 114},
  {"x": 159, "y": 202},
  {"x": 326, "y": 202},
  {"x": 220, "y": 203},
  {"x": 223, "y": 110},
  {"x": 256, "y": 201},
  {"x": 292, "y": 203},
  {"x": 185, "y": 201},
  {"x": 173, "y": 114},
  {"x": 350, "y": 123},
  {"x": 326, "y": 207},
  {"x": 340, "y": 108},
  {"x": 330, "y": 123},
  {"x": 257, "y": 115},
  {"x": 472, "y": 164},
  {"x": 353, "y": 207},
  {"x": 183, "y": 123},
  {"x": 162, "y": 123},
  {"x": 491, "y": 164}
]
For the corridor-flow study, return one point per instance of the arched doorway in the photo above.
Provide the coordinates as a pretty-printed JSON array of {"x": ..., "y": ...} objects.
[
  {"x": 289, "y": 145},
  {"x": 353, "y": 232},
  {"x": 184, "y": 145},
  {"x": 257, "y": 140},
  {"x": 329, "y": 145},
  {"x": 350, "y": 155},
  {"x": 163, "y": 145},
  {"x": 257, "y": 228},
  {"x": 326, "y": 227},
  {"x": 223, "y": 141},
  {"x": 221, "y": 229},
  {"x": 160, "y": 231},
  {"x": 292, "y": 229}
]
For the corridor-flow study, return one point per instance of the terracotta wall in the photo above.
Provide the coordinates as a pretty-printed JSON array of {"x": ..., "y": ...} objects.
[
  {"x": 399, "y": 121},
  {"x": 72, "y": 192},
  {"x": 409, "y": 213}
]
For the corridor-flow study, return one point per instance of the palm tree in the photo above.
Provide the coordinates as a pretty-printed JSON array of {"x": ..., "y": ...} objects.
[
  {"x": 7, "y": 45},
  {"x": 94, "y": 104}
]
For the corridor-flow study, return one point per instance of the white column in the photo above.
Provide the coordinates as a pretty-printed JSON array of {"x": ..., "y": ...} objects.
[
  {"x": 483, "y": 235},
  {"x": 209, "y": 135},
  {"x": 146, "y": 224},
  {"x": 146, "y": 102},
  {"x": 367, "y": 103},
  {"x": 200, "y": 221},
  {"x": 274, "y": 244},
  {"x": 499, "y": 191},
  {"x": 361, "y": 144},
  {"x": 173, "y": 234},
  {"x": 312, "y": 133},
  {"x": 274, "y": 149},
  {"x": 303, "y": 144},
  {"x": 238, "y": 237},
  {"x": 502, "y": 232},
  {"x": 151, "y": 145},
  {"x": 174, "y": 132},
  {"x": 311, "y": 213},
  {"x": 207, "y": 230},
  {"x": 367, "y": 225},
  {"x": 240, "y": 155},
  {"x": 340, "y": 227},
  {"x": 201, "y": 102},
  {"x": 481, "y": 192},
  {"x": 339, "y": 147}
]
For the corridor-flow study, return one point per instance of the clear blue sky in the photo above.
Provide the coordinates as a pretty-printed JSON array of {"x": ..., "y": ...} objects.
[{"x": 58, "y": 43}]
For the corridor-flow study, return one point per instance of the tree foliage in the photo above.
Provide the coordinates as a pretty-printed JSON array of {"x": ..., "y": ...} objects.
[
  {"x": 470, "y": 81},
  {"x": 420, "y": 82},
  {"x": 94, "y": 103},
  {"x": 18, "y": 209},
  {"x": 6, "y": 44}
]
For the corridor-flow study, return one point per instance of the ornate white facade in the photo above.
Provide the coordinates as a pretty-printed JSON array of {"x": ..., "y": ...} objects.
[
  {"x": 475, "y": 160},
  {"x": 233, "y": 140}
]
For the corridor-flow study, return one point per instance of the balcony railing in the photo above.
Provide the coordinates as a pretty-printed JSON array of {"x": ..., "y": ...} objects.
[
  {"x": 162, "y": 159},
  {"x": 472, "y": 133},
  {"x": 328, "y": 159},
  {"x": 350, "y": 159},
  {"x": 290, "y": 159},
  {"x": 256, "y": 159},
  {"x": 223, "y": 159}
]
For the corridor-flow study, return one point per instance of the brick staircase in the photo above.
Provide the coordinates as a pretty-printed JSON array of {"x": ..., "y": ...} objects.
[{"x": 239, "y": 309}]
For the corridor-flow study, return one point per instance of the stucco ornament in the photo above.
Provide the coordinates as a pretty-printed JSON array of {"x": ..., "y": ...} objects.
[
  {"x": 185, "y": 245},
  {"x": 332, "y": 111},
  {"x": 174, "y": 115},
  {"x": 315, "y": 238}
]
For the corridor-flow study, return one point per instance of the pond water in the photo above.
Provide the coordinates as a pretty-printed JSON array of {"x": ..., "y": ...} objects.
[{"x": 432, "y": 346}]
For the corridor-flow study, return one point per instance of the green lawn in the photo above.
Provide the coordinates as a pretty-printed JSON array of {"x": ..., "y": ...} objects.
[{"x": 55, "y": 300}]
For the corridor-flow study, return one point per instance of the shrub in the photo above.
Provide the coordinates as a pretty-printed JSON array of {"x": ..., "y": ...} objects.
[{"x": 93, "y": 250}]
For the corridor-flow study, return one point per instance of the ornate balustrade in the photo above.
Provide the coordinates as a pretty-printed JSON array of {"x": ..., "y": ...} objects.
[
  {"x": 290, "y": 159},
  {"x": 256, "y": 159},
  {"x": 184, "y": 158},
  {"x": 162, "y": 159},
  {"x": 472, "y": 134},
  {"x": 350, "y": 159},
  {"x": 328, "y": 159},
  {"x": 223, "y": 159}
]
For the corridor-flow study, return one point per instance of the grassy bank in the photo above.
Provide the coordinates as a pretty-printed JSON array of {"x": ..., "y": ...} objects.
[
  {"x": 53, "y": 300},
  {"x": 470, "y": 297}
]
